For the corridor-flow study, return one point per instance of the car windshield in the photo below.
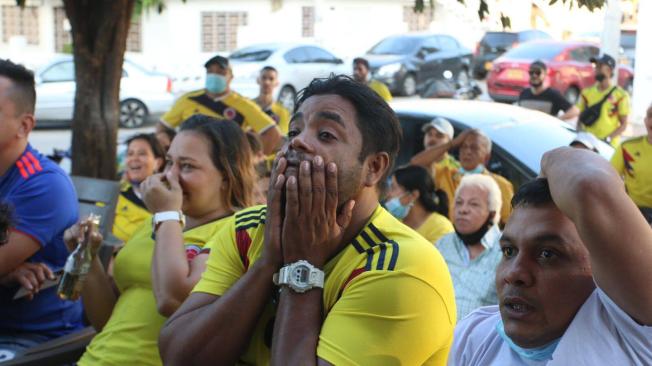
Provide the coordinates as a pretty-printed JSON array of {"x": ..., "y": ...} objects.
[
  {"x": 251, "y": 54},
  {"x": 499, "y": 39},
  {"x": 628, "y": 40},
  {"x": 396, "y": 46},
  {"x": 535, "y": 51}
]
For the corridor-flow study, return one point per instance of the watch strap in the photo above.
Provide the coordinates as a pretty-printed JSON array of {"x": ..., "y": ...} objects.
[{"x": 160, "y": 217}]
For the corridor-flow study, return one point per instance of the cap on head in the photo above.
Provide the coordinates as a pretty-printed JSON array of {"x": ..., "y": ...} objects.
[
  {"x": 440, "y": 124},
  {"x": 220, "y": 61},
  {"x": 587, "y": 139},
  {"x": 362, "y": 61},
  {"x": 605, "y": 59}
]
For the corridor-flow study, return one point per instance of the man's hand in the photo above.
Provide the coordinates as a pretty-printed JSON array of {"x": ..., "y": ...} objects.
[
  {"x": 31, "y": 276},
  {"x": 274, "y": 219},
  {"x": 312, "y": 228},
  {"x": 77, "y": 233},
  {"x": 162, "y": 192},
  {"x": 459, "y": 140}
]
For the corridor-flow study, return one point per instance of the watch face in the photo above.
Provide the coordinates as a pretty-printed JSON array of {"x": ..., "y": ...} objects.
[{"x": 300, "y": 276}]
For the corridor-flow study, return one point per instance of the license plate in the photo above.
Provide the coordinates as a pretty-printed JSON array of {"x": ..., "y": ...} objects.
[{"x": 515, "y": 74}]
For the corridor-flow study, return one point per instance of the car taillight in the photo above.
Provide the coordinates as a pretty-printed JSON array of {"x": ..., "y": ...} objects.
[{"x": 168, "y": 87}]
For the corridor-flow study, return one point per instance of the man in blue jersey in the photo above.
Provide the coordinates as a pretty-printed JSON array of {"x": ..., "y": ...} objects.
[{"x": 44, "y": 204}]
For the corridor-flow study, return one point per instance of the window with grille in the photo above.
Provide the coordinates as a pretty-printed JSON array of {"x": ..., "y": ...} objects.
[
  {"x": 417, "y": 21},
  {"x": 308, "y": 21},
  {"x": 62, "y": 36},
  {"x": 17, "y": 21},
  {"x": 219, "y": 30},
  {"x": 134, "y": 38}
]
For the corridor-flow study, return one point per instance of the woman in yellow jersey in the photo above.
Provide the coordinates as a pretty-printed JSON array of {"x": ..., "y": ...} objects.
[
  {"x": 145, "y": 156},
  {"x": 414, "y": 200},
  {"x": 208, "y": 176}
]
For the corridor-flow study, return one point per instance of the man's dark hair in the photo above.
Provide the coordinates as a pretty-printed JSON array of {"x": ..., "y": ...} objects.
[
  {"x": 268, "y": 68},
  {"x": 360, "y": 60},
  {"x": 377, "y": 122},
  {"x": 218, "y": 60},
  {"x": 533, "y": 193},
  {"x": 5, "y": 222},
  {"x": 23, "y": 92},
  {"x": 538, "y": 64}
]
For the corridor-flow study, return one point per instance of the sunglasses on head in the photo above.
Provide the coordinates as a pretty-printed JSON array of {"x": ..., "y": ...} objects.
[{"x": 535, "y": 72}]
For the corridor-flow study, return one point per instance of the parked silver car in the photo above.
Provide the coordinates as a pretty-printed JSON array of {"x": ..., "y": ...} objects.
[{"x": 142, "y": 93}]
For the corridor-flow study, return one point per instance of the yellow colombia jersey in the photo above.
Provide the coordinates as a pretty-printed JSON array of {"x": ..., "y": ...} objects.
[
  {"x": 616, "y": 106},
  {"x": 381, "y": 89},
  {"x": 633, "y": 161},
  {"x": 388, "y": 296},
  {"x": 448, "y": 179},
  {"x": 233, "y": 106},
  {"x": 435, "y": 227},
  {"x": 280, "y": 115},
  {"x": 130, "y": 337},
  {"x": 130, "y": 213}
]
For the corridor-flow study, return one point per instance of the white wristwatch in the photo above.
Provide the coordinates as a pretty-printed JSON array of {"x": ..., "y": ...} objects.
[
  {"x": 159, "y": 217},
  {"x": 300, "y": 276}
]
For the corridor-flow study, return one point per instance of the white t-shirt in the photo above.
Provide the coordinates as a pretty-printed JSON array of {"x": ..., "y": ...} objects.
[{"x": 600, "y": 334}]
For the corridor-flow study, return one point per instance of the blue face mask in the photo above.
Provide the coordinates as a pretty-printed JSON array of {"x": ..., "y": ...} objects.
[
  {"x": 215, "y": 83},
  {"x": 535, "y": 354},
  {"x": 397, "y": 209},
  {"x": 478, "y": 169}
]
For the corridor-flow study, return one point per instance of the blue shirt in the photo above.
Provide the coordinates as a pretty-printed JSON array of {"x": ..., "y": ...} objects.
[
  {"x": 474, "y": 279},
  {"x": 45, "y": 205}
]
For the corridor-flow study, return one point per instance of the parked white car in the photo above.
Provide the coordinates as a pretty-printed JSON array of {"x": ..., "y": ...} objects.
[
  {"x": 297, "y": 65},
  {"x": 142, "y": 92}
]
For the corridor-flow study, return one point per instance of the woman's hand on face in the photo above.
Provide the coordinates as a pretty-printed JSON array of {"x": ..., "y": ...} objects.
[{"x": 162, "y": 192}]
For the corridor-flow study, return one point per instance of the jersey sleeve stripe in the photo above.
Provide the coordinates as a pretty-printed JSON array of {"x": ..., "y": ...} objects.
[
  {"x": 258, "y": 219},
  {"x": 243, "y": 242},
  {"x": 357, "y": 246},
  {"x": 251, "y": 213},
  {"x": 37, "y": 164},
  {"x": 21, "y": 169},
  {"x": 370, "y": 259},
  {"x": 250, "y": 225},
  {"x": 394, "y": 258},
  {"x": 29, "y": 166},
  {"x": 368, "y": 239},
  {"x": 377, "y": 232},
  {"x": 381, "y": 257}
]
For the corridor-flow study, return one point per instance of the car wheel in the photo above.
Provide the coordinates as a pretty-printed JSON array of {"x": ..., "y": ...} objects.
[
  {"x": 572, "y": 95},
  {"x": 463, "y": 79},
  {"x": 133, "y": 113},
  {"x": 409, "y": 85},
  {"x": 287, "y": 96}
]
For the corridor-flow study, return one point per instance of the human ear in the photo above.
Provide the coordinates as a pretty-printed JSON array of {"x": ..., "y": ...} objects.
[{"x": 376, "y": 166}]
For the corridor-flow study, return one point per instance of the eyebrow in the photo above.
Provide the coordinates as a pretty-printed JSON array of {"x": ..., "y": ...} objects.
[
  {"x": 546, "y": 238},
  {"x": 181, "y": 158},
  {"x": 332, "y": 116}
]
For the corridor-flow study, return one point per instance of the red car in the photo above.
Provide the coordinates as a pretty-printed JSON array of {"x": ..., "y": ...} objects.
[{"x": 569, "y": 69}]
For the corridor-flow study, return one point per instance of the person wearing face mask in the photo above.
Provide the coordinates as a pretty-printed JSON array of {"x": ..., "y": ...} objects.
[
  {"x": 145, "y": 156},
  {"x": 611, "y": 102},
  {"x": 217, "y": 100},
  {"x": 472, "y": 251},
  {"x": 414, "y": 200},
  {"x": 361, "y": 75},
  {"x": 539, "y": 96}
]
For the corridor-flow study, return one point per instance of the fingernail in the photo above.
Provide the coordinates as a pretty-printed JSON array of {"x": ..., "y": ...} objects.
[
  {"x": 332, "y": 167},
  {"x": 278, "y": 179},
  {"x": 305, "y": 166},
  {"x": 318, "y": 160},
  {"x": 292, "y": 181}
]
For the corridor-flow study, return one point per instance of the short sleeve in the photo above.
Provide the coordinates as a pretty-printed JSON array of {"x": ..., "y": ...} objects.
[
  {"x": 223, "y": 267},
  {"x": 387, "y": 318},
  {"x": 174, "y": 116},
  {"x": 617, "y": 160},
  {"x": 561, "y": 103},
  {"x": 255, "y": 118},
  {"x": 581, "y": 101},
  {"x": 44, "y": 207},
  {"x": 623, "y": 104}
]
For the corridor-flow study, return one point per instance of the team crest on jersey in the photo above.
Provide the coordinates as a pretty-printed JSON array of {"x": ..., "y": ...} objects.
[
  {"x": 230, "y": 113},
  {"x": 192, "y": 251}
]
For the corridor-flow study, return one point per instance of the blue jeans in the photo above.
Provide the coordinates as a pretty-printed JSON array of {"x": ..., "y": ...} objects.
[{"x": 14, "y": 344}]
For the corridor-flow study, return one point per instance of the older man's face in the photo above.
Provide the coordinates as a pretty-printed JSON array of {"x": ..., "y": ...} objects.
[
  {"x": 544, "y": 276},
  {"x": 473, "y": 152},
  {"x": 471, "y": 209}
]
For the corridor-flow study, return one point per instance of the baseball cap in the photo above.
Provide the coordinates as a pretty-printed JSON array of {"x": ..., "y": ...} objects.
[
  {"x": 604, "y": 60},
  {"x": 587, "y": 139},
  {"x": 441, "y": 124},
  {"x": 221, "y": 61}
]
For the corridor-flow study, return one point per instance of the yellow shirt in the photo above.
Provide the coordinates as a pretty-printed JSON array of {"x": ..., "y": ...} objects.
[
  {"x": 633, "y": 161},
  {"x": 130, "y": 213},
  {"x": 130, "y": 337},
  {"x": 233, "y": 106},
  {"x": 616, "y": 106},
  {"x": 435, "y": 227},
  {"x": 448, "y": 179},
  {"x": 280, "y": 115},
  {"x": 388, "y": 296},
  {"x": 381, "y": 89}
]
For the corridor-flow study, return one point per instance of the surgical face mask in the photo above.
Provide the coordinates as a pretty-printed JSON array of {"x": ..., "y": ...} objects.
[
  {"x": 215, "y": 83},
  {"x": 535, "y": 354},
  {"x": 477, "y": 170},
  {"x": 599, "y": 77},
  {"x": 397, "y": 209}
]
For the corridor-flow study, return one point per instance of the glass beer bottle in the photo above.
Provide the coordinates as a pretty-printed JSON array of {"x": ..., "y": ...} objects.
[{"x": 79, "y": 262}]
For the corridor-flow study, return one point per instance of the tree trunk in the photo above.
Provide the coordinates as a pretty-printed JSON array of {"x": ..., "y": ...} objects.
[{"x": 99, "y": 38}]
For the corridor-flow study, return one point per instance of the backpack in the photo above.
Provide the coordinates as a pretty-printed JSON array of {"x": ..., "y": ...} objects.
[{"x": 592, "y": 113}]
